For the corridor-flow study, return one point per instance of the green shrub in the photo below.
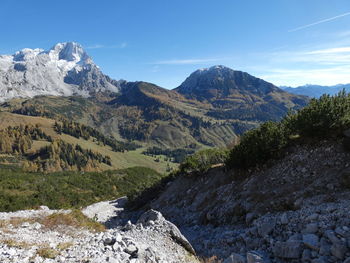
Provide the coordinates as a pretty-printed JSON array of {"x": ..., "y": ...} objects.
[
  {"x": 259, "y": 145},
  {"x": 201, "y": 161},
  {"x": 325, "y": 117}
]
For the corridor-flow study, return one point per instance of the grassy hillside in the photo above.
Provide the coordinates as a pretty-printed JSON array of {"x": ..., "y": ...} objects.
[
  {"x": 146, "y": 113},
  {"x": 23, "y": 190},
  {"x": 120, "y": 160}
]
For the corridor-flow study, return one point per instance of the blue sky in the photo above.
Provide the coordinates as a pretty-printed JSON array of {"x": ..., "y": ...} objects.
[{"x": 290, "y": 42}]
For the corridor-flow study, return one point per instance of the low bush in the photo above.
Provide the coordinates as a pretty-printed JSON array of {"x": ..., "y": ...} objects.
[
  {"x": 325, "y": 117},
  {"x": 203, "y": 160}
]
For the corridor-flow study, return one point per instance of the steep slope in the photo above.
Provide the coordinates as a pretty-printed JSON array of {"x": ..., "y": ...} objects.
[
  {"x": 64, "y": 70},
  {"x": 275, "y": 210},
  {"x": 238, "y": 95}
]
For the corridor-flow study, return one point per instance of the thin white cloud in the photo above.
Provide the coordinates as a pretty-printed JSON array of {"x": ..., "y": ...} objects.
[
  {"x": 98, "y": 46},
  {"x": 336, "y": 50},
  {"x": 187, "y": 61},
  {"x": 319, "y": 22},
  {"x": 321, "y": 76}
]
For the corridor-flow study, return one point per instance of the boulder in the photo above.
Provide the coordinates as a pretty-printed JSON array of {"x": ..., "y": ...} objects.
[{"x": 150, "y": 216}]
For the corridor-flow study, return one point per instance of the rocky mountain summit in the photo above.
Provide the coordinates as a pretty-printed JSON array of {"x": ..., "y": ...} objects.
[
  {"x": 237, "y": 94},
  {"x": 64, "y": 70},
  {"x": 219, "y": 82}
]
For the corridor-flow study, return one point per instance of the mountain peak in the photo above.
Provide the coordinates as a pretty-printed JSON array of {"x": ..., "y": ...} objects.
[
  {"x": 64, "y": 70},
  {"x": 215, "y": 68},
  {"x": 220, "y": 81},
  {"x": 70, "y": 51}
]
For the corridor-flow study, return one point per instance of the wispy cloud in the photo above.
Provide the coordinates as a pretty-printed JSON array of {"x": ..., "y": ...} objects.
[
  {"x": 336, "y": 50},
  {"x": 187, "y": 61},
  {"x": 99, "y": 46},
  {"x": 296, "y": 77},
  {"x": 319, "y": 22},
  {"x": 96, "y": 46}
]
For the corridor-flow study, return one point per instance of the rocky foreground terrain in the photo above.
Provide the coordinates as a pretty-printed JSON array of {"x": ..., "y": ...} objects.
[
  {"x": 292, "y": 210},
  {"x": 45, "y": 235}
]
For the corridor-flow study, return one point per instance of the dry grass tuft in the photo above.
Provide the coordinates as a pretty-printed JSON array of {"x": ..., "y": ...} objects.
[
  {"x": 74, "y": 219},
  {"x": 46, "y": 252},
  {"x": 64, "y": 246},
  {"x": 213, "y": 259},
  {"x": 16, "y": 244}
]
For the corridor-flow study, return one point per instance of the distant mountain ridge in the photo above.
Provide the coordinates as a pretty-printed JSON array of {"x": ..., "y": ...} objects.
[
  {"x": 211, "y": 107},
  {"x": 316, "y": 91}
]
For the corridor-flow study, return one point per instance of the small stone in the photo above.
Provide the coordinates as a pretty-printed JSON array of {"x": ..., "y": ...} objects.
[
  {"x": 338, "y": 250},
  {"x": 249, "y": 218},
  {"x": 257, "y": 257},
  {"x": 109, "y": 241},
  {"x": 331, "y": 236},
  {"x": 311, "y": 228},
  {"x": 284, "y": 219},
  {"x": 235, "y": 258},
  {"x": 289, "y": 249},
  {"x": 306, "y": 256},
  {"x": 312, "y": 217},
  {"x": 132, "y": 251},
  {"x": 266, "y": 228},
  {"x": 118, "y": 238},
  {"x": 311, "y": 241}
]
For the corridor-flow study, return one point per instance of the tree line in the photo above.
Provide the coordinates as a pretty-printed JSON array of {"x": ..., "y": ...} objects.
[{"x": 78, "y": 130}]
